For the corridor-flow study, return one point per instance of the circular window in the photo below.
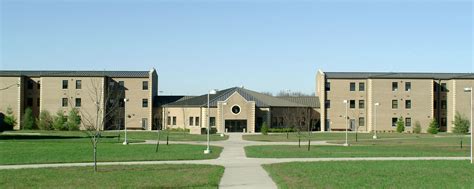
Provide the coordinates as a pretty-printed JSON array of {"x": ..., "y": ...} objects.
[{"x": 236, "y": 109}]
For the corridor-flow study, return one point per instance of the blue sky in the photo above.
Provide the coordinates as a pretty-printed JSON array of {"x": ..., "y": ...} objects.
[{"x": 262, "y": 45}]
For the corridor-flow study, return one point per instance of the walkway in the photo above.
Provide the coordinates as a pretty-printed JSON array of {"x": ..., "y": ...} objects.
[{"x": 240, "y": 171}]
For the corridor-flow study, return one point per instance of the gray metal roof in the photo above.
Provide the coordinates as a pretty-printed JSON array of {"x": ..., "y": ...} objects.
[
  {"x": 31, "y": 73},
  {"x": 397, "y": 75},
  {"x": 163, "y": 100},
  {"x": 261, "y": 100},
  {"x": 310, "y": 101}
]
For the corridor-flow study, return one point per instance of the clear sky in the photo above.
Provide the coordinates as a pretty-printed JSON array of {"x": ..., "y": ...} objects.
[{"x": 263, "y": 45}]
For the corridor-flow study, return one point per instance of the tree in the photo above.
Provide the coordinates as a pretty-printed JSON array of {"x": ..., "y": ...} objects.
[
  {"x": 9, "y": 120},
  {"x": 73, "y": 120},
  {"x": 400, "y": 125},
  {"x": 433, "y": 128},
  {"x": 28, "y": 119},
  {"x": 417, "y": 128},
  {"x": 461, "y": 126},
  {"x": 59, "y": 121},
  {"x": 265, "y": 128},
  {"x": 45, "y": 120}
]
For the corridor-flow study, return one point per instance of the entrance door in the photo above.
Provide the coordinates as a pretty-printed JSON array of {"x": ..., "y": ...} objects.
[{"x": 236, "y": 125}]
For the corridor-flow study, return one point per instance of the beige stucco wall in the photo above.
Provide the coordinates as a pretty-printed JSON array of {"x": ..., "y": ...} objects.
[{"x": 11, "y": 97}]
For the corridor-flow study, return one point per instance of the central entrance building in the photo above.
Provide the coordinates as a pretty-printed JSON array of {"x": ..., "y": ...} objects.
[{"x": 238, "y": 110}]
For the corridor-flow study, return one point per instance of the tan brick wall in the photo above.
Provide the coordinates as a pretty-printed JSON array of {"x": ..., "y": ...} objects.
[{"x": 11, "y": 96}]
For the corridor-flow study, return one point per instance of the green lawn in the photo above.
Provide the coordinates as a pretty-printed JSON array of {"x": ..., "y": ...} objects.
[
  {"x": 123, "y": 176},
  {"x": 373, "y": 174},
  {"x": 408, "y": 147},
  {"x": 335, "y": 137},
  {"x": 60, "y": 149}
]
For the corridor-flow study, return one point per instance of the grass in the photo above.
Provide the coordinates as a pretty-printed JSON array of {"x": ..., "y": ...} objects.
[
  {"x": 62, "y": 148},
  {"x": 405, "y": 147},
  {"x": 334, "y": 137},
  {"x": 373, "y": 174},
  {"x": 123, "y": 176}
]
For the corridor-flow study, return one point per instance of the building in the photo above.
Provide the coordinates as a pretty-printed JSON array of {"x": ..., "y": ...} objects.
[
  {"x": 239, "y": 110},
  {"x": 375, "y": 100},
  {"x": 124, "y": 98}
]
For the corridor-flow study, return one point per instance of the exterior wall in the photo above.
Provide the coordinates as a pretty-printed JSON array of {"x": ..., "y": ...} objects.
[
  {"x": 11, "y": 96},
  {"x": 293, "y": 117},
  {"x": 33, "y": 93},
  {"x": 338, "y": 93},
  {"x": 52, "y": 95},
  {"x": 247, "y": 112},
  {"x": 182, "y": 115},
  {"x": 421, "y": 97},
  {"x": 321, "y": 92},
  {"x": 462, "y": 101}
]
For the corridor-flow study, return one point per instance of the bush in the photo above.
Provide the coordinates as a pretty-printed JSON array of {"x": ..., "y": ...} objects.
[
  {"x": 9, "y": 121},
  {"x": 417, "y": 128},
  {"x": 281, "y": 130},
  {"x": 179, "y": 129},
  {"x": 59, "y": 121},
  {"x": 45, "y": 120},
  {"x": 433, "y": 128},
  {"x": 400, "y": 125},
  {"x": 73, "y": 120},
  {"x": 461, "y": 124},
  {"x": 29, "y": 119},
  {"x": 265, "y": 128},
  {"x": 204, "y": 131}
]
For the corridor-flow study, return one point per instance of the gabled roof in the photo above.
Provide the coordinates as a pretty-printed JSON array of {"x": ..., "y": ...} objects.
[
  {"x": 309, "y": 101},
  {"x": 163, "y": 100},
  {"x": 261, "y": 100},
  {"x": 397, "y": 75},
  {"x": 31, "y": 73}
]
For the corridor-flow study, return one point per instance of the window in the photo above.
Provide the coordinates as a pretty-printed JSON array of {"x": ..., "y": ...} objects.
[
  {"x": 328, "y": 104},
  {"x": 174, "y": 120},
  {"x": 144, "y": 102},
  {"x": 444, "y": 87},
  {"x": 394, "y": 86},
  {"x": 362, "y": 86},
  {"x": 444, "y": 104},
  {"x": 394, "y": 121},
  {"x": 352, "y": 86},
  {"x": 29, "y": 102},
  {"x": 408, "y": 86},
  {"x": 30, "y": 84},
  {"x": 191, "y": 121},
  {"x": 145, "y": 85},
  {"x": 328, "y": 86},
  {"x": 78, "y": 102},
  {"x": 78, "y": 84},
  {"x": 64, "y": 102},
  {"x": 212, "y": 121},
  {"x": 435, "y": 104},
  {"x": 394, "y": 104},
  {"x": 444, "y": 123},
  {"x": 361, "y": 104},
  {"x": 352, "y": 104},
  {"x": 65, "y": 84},
  {"x": 144, "y": 123},
  {"x": 197, "y": 121},
  {"x": 361, "y": 121},
  {"x": 38, "y": 102},
  {"x": 169, "y": 120},
  {"x": 236, "y": 109},
  {"x": 408, "y": 122},
  {"x": 407, "y": 104}
]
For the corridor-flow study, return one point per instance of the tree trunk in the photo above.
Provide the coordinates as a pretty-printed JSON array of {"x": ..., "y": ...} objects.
[
  {"x": 158, "y": 142},
  {"x": 95, "y": 154},
  {"x": 309, "y": 144},
  {"x": 461, "y": 143}
]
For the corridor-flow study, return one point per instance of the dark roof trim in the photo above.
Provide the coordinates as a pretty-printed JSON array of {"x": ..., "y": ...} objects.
[
  {"x": 397, "y": 75},
  {"x": 124, "y": 74}
]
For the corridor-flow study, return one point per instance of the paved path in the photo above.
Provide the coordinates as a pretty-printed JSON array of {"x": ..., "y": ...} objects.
[{"x": 240, "y": 171}]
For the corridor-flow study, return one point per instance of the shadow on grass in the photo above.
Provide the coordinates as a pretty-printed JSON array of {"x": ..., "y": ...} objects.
[{"x": 44, "y": 137}]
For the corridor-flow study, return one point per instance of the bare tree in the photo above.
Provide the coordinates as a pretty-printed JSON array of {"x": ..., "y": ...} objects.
[
  {"x": 106, "y": 99},
  {"x": 267, "y": 93},
  {"x": 289, "y": 93}
]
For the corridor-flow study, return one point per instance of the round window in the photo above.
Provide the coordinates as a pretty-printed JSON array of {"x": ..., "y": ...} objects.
[{"x": 236, "y": 109}]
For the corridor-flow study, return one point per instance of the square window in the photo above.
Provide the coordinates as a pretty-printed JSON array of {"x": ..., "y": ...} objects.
[
  {"x": 145, "y": 85},
  {"x": 168, "y": 120},
  {"x": 328, "y": 86},
  {"x": 78, "y": 102},
  {"x": 352, "y": 104},
  {"x": 407, "y": 122},
  {"x": 328, "y": 104},
  {"x": 352, "y": 86},
  {"x": 362, "y": 86},
  {"x": 444, "y": 104},
  {"x": 174, "y": 120},
  {"x": 408, "y": 86},
  {"x": 444, "y": 87},
  {"x": 191, "y": 121},
  {"x": 197, "y": 121},
  {"x": 361, "y": 104},
  {"x": 212, "y": 121},
  {"x": 394, "y": 104},
  {"x": 78, "y": 84},
  {"x": 394, "y": 86},
  {"x": 144, "y": 102},
  {"x": 144, "y": 123},
  {"x": 65, "y": 83},
  {"x": 408, "y": 104},
  {"x": 64, "y": 104}
]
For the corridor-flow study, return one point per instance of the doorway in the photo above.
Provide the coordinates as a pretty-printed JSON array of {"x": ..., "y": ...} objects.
[{"x": 235, "y": 125}]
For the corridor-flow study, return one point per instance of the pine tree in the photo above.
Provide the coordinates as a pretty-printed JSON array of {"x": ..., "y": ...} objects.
[
  {"x": 45, "y": 120},
  {"x": 73, "y": 120},
  {"x": 59, "y": 121},
  {"x": 265, "y": 128},
  {"x": 400, "y": 125},
  {"x": 9, "y": 120},
  {"x": 433, "y": 128},
  {"x": 28, "y": 119}
]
